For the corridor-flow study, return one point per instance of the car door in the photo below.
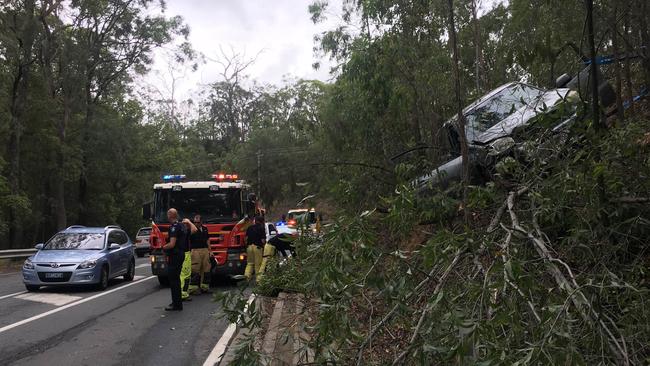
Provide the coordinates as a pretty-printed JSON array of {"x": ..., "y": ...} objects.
[
  {"x": 115, "y": 259},
  {"x": 126, "y": 252},
  {"x": 270, "y": 231}
]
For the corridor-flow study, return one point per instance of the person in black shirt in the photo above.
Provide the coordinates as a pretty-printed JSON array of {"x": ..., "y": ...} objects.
[
  {"x": 175, "y": 256},
  {"x": 255, "y": 238},
  {"x": 200, "y": 258}
]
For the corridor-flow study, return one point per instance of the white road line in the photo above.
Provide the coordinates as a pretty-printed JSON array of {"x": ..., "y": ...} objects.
[
  {"x": 220, "y": 348},
  {"x": 142, "y": 265},
  {"x": 53, "y": 311},
  {"x": 9, "y": 274},
  {"x": 49, "y": 298},
  {"x": 12, "y": 295}
]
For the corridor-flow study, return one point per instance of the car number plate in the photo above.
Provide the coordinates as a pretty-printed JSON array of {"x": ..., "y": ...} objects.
[{"x": 54, "y": 275}]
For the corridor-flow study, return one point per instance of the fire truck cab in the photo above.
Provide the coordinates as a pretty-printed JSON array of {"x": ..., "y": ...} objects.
[{"x": 225, "y": 205}]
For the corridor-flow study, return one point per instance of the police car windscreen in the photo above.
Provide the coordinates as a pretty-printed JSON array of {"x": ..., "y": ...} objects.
[{"x": 213, "y": 206}]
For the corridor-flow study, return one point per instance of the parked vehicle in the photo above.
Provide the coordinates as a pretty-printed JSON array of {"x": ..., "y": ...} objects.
[
  {"x": 225, "y": 203},
  {"x": 303, "y": 218},
  {"x": 81, "y": 255},
  {"x": 142, "y": 243}
]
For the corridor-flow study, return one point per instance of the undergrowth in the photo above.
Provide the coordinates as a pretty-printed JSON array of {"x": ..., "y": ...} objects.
[{"x": 551, "y": 269}]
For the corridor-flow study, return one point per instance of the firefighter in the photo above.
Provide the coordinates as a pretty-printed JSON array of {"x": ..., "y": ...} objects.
[
  {"x": 174, "y": 251},
  {"x": 186, "y": 270},
  {"x": 281, "y": 243},
  {"x": 200, "y": 282},
  {"x": 255, "y": 238}
]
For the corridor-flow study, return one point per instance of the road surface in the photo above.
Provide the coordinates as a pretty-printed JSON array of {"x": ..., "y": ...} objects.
[{"x": 123, "y": 325}]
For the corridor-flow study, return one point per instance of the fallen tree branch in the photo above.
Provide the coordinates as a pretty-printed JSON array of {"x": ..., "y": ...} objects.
[
  {"x": 631, "y": 200},
  {"x": 577, "y": 297},
  {"x": 494, "y": 224},
  {"x": 390, "y": 314},
  {"x": 429, "y": 306},
  {"x": 507, "y": 280}
]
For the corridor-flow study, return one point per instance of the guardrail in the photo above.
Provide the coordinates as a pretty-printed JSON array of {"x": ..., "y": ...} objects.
[{"x": 16, "y": 253}]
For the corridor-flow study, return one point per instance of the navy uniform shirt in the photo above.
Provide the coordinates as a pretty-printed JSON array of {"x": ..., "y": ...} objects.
[{"x": 177, "y": 230}]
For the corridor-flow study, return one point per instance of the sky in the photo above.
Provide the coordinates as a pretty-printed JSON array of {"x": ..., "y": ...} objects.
[{"x": 278, "y": 33}]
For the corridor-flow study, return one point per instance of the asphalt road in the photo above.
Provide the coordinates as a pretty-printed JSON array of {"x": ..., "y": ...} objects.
[{"x": 123, "y": 325}]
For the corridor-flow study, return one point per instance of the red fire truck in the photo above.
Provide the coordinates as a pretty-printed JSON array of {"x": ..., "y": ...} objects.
[{"x": 224, "y": 203}]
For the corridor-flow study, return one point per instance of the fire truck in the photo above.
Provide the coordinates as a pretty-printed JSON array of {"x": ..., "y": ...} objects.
[{"x": 225, "y": 204}]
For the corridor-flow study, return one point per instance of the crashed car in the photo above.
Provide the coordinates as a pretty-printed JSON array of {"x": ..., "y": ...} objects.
[
  {"x": 489, "y": 124},
  {"x": 501, "y": 119}
]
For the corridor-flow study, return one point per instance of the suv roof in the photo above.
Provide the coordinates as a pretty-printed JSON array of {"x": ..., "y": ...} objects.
[{"x": 90, "y": 229}]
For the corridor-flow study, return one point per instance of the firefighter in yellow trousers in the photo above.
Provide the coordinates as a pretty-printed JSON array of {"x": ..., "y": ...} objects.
[
  {"x": 281, "y": 243},
  {"x": 200, "y": 281},
  {"x": 186, "y": 270},
  {"x": 255, "y": 238}
]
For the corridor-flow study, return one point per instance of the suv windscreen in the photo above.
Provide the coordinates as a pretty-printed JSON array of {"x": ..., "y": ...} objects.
[
  {"x": 82, "y": 241},
  {"x": 499, "y": 107}
]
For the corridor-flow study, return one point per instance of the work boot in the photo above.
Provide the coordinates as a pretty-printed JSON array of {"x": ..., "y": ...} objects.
[{"x": 171, "y": 307}]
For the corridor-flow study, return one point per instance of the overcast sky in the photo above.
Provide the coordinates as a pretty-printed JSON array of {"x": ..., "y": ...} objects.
[{"x": 279, "y": 32}]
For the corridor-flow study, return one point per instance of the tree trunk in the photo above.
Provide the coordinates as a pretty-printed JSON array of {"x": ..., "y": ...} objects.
[
  {"x": 645, "y": 38},
  {"x": 17, "y": 108},
  {"x": 464, "y": 152},
  {"x": 54, "y": 85},
  {"x": 628, "y": 73},
  {"x": 595, "y": 105},
  {"x": 617, "y": 67},
  {"x": 59, "y": 185},
  {"x": 479, "y": 67}
]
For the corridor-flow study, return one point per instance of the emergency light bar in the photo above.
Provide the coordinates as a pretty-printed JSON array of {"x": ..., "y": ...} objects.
[
  {"x": 169, "y": 178},
  {"x": 224, "y": 176}
]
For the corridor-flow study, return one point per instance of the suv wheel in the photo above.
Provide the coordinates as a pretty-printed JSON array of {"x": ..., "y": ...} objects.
[
  {"x": 130, "y": 271},
  {"x": 32, "y": 288},
  {"x": 103, "y": 279}
]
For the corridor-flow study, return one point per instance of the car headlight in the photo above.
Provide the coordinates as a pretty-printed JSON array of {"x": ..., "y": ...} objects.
[
  {"x": 87, "y": 264},
  {"x": 28, "y": 264}
]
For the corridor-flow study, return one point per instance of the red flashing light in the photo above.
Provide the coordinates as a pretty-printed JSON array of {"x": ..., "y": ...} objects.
[
  {"x": 291, "y": 222},
  {"x": 225, "y": 177}
]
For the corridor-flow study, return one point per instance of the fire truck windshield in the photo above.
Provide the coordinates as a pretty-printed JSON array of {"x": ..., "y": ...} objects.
[{"x": 213, "y": 206}]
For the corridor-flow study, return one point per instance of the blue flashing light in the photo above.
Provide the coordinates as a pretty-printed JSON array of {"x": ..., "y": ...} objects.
[{"x": 168, "y": 178}]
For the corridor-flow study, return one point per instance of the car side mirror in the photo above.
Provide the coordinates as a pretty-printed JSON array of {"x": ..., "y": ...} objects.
[
  {"x": 562, "y": 80},
  {"x": 39, "y": 246},
  {"x": 113, "y": 246}
]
